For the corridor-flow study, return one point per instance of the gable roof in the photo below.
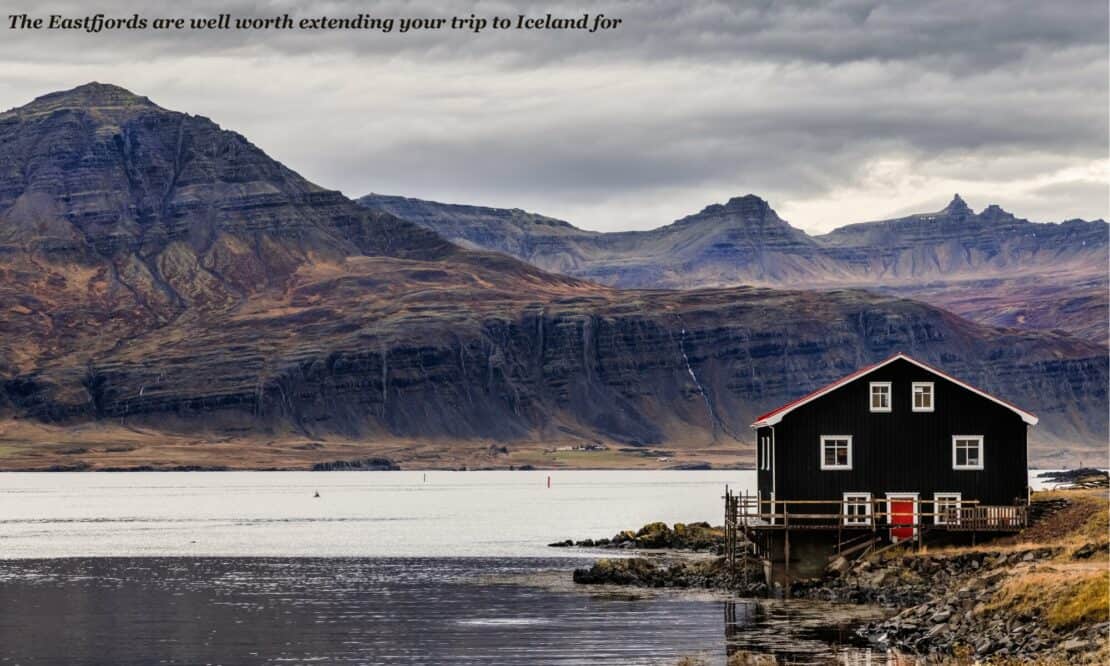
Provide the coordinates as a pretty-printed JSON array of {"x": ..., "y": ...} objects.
[{"x": 775, "y": 415}]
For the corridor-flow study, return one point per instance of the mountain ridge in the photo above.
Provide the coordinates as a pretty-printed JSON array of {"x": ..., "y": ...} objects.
[
  {"x": 161, "y": 274},
  {"x": 988, "y": 260}
]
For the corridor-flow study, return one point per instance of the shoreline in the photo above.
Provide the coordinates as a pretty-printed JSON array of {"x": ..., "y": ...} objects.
[
  {"x": 1041, "y": 594},
  {"x": 32, "y": 446}
]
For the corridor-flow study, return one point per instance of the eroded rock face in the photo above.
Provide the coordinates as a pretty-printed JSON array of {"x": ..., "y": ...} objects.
[{"x": 156, "y": 269}]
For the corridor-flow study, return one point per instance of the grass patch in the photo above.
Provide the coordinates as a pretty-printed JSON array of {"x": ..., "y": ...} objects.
[
  {"x": 1089, "y": 605},
  {"x": 1063, "y": 600},
  {"x": 598, "y": 459},
  {"x": 1098, "y": 525}
]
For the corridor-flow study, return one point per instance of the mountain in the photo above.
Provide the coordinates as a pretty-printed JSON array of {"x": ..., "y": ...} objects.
[
  {"x": 170, "y": 296},
  {"x": 991, "y": 267}
]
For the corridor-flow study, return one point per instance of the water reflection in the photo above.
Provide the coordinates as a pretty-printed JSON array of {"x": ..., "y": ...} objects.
[
  {"x": 384, "y": 611},
  {"x": 759, "y": 632}
]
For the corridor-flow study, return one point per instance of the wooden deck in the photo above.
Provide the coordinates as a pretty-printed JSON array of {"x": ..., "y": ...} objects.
[
  {"x": 755, "y": 514},
  {"x": 750, "y": 524}
]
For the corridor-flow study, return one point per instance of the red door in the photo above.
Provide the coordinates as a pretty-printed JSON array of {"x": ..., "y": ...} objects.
[{"x": 902, "y": 513}]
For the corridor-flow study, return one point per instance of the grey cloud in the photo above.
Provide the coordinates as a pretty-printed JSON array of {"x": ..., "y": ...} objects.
[
  {"x": 687, "y": 103},
  {"x": 956, "y": 35},
  {"x": 1082, "y": 189}
]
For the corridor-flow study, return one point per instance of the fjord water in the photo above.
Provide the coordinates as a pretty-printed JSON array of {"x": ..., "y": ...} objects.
[
  {"x": 382, "y": 568},
  {"x": 358, "y": 514},
  {"x": 389, "y": 567}
]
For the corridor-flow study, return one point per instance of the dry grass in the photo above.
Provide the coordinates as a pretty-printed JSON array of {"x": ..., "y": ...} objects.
[
  {"x": 1062, "y": 599},
  {"x": 1086, "y": 520},
  {"x": 965, "y": 656},
  {"x": 1087, "y": 602}
]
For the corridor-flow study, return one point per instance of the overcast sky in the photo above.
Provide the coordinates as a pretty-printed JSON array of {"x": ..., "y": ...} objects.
[{"x": 835, "y": 112}]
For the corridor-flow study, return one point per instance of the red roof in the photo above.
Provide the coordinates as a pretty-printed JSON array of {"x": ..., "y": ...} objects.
[{"x": 775, "y": 415}]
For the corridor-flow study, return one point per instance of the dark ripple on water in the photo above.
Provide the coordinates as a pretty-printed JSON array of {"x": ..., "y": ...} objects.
[{"x": 377, "y": 611}]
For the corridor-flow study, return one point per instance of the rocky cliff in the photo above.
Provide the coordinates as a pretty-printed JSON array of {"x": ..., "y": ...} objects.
[
  {"x": 157, "y": 271},
  {"x": 990, "y": 266}
]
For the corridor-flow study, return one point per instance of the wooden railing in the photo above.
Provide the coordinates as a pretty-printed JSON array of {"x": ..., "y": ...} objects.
[
  {"x": 754, "y": 513},
  {"x": 988, "y": 518},
  {"x": 751, "y": 524}
]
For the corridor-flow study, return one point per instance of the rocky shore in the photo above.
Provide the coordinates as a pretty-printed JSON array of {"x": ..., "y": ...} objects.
[
  {"x": 946, "y": 602},
  {"x": 909, "y": 580},
  {"x": 962, "y": 616},
  {"x": 1043, "y": 595},
  {"x": 695, "y": 537},
  {"x": 1086, "y": 477},
  {"x": 683, "y": 556},
  {"x": 674, "y": 572}
]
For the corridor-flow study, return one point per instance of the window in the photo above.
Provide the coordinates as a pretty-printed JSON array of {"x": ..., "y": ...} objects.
[
  {"x": 967, "y": 452},
  {"x": 946, "y": 506},
  {"x": 880, "y": 396},
  {"x": 857, "y": 508},
  {"x": 763, "y": 453},
  {"x": 836, "y": 452},
  {"x": 922, "y": 396}
]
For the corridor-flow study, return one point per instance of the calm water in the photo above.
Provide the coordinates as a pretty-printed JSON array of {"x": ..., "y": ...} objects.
[
  {"x": 384, "y": 568},
  {"x": 380, "y": 611},
  {"x": 358, "y": 514}
]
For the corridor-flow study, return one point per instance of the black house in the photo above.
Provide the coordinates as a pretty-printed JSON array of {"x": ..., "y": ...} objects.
[{"x": 899, "y": 440}]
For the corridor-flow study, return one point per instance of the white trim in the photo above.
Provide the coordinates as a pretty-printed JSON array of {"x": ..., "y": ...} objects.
[
  {"x": 777, "y": 415},
  {"x": 889, "y": 397},
  {"x": 821, "y": 452},
  {"x": 937, "y": 497},
  {"x": 932, "y": 396},
  {"x": 856, "y": 522},
  {"x": 982, "y": 452},
  {"x": 774, "y": 472},
  {"x": 890, "y": 516}
]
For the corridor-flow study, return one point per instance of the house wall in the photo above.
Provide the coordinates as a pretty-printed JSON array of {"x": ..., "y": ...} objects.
[{"x": 900, "y": 451}]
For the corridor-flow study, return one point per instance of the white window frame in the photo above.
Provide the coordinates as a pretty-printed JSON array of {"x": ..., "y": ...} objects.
[
  {"x": 763, "y": 453},
  {"x": 982, "y": 453},
  {"x": 859, "y": 500},
  {"x": 946, "y": 499},
  {"x": 889, "y": 397},
  {"x": 821, "y": 452},
  {"x": 932, "y": 396}
]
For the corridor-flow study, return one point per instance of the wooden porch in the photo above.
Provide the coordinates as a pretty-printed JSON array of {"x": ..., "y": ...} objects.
[
  {"x": 967, "y": 515},
  {"x": 859, "y": 526}
]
